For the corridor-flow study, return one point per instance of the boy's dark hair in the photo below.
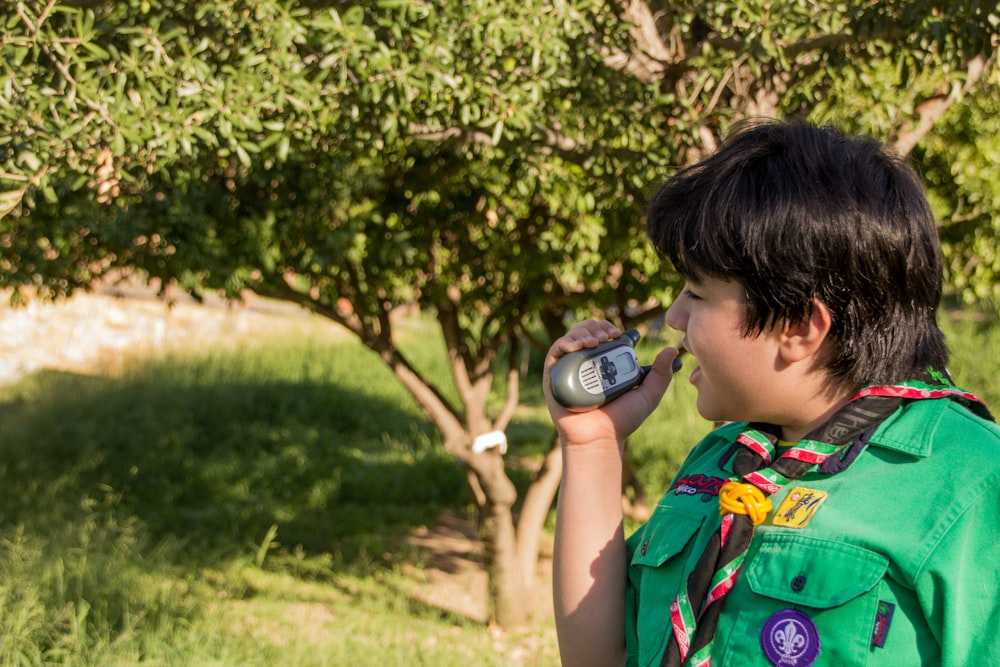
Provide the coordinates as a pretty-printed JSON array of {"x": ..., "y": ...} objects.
[{"x": 793, "y": 211}]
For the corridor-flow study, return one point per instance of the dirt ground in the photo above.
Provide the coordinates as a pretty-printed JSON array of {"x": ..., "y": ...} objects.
[{"x": 102, "y": 331}]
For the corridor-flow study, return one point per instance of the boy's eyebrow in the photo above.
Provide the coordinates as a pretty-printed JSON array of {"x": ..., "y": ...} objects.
[{"x": 691, "y": 278}]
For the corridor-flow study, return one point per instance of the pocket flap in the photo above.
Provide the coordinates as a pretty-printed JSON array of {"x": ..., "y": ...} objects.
[
  {"x": 662, "y": 540},
  {"x": 813, "y": 572}
]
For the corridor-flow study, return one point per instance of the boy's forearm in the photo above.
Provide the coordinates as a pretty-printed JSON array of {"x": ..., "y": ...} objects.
[{"x": 590, "y": 560}]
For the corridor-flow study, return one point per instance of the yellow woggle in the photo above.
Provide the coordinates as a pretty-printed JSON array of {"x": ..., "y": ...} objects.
[{"x": 742, "y": 498}]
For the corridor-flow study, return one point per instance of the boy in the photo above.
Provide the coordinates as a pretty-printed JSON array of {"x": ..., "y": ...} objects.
[{"x": 848, "y": 512}]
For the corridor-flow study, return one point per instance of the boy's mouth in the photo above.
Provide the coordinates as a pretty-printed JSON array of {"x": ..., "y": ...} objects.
[{"x": 683, "y": 351}]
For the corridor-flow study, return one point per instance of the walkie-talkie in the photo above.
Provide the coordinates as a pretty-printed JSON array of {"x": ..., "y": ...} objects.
[{"x": 589, "y": 378}]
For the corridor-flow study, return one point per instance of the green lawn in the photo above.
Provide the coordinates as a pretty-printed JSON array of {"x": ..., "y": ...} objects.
[{"x": 239, "y": 507}]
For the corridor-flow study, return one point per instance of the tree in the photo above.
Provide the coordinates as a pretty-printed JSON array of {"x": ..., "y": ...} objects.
[{"x": 485, "y": 160}]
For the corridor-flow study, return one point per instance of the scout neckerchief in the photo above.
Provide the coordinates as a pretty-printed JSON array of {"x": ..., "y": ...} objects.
[{"x": 744, "y": 502}]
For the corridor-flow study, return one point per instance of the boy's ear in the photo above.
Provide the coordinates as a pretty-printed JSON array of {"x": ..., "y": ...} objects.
[{"x": 803, "y": 339}]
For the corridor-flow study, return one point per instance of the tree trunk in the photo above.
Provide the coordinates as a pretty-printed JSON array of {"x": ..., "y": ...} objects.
[
  {"x": 535, "y": 509},
  {"x": 492, "y": 489},
  {"x": 508, "y": 593}
]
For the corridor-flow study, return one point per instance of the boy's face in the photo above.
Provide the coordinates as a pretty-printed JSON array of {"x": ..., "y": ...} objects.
[{"x": 736, "y": 375}]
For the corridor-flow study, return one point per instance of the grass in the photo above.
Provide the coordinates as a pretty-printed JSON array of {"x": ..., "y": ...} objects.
[
  {"x": 250, "y": 507},
  {"x": 239, "y": 507}
]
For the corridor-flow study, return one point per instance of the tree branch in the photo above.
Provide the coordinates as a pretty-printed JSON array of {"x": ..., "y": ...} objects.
[
  {"x": 653, "y": 56},
  {"x": 513, "y": 384},
  {"x": 433, "y": 403},
  {"x": 351, "y": 321},
  {"x": 552, "y": 138},
  {"x": 466, "y": 135},
  {"x": 931, "y": 110}
]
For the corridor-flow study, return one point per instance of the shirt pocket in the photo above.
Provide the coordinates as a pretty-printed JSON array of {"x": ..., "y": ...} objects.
[
  {"x": 663, "y": 539},
  {"x": 656, "y": 575},
  {"x": 834, "y": 583}
]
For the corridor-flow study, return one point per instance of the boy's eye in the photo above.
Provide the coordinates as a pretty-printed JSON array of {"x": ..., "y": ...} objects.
[{"x": 689, "y": 294}]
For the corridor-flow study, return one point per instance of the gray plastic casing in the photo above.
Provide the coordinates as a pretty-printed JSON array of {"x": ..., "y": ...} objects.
[{"x": 589, "y": 378}]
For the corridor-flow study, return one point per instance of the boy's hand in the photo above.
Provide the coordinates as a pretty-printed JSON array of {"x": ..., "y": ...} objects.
[{"x": 614, "y": 421}]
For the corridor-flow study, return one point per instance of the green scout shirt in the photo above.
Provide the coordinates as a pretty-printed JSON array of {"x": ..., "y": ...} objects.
[{"x": 897, "y": 566}]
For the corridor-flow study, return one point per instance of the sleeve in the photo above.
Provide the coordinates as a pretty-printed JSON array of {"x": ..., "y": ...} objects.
[{"x": 959, "y": 585}]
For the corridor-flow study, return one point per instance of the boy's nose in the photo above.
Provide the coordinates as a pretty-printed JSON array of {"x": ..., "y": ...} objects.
[{"x": 676, "y": 318}]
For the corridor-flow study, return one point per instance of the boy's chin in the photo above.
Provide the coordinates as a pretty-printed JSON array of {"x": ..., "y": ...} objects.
[
  {"x": 714, "y": 412},
  {"x": 709, "y": 412}
]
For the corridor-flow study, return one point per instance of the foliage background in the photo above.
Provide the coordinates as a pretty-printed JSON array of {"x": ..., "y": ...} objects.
[{"x": 226, "y": 145}]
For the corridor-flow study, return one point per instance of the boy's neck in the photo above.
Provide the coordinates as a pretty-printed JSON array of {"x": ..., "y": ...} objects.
[{"x": 815, "y": 413}]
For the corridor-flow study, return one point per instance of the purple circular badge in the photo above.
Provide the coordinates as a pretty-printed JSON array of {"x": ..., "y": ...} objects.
[{"x": 790, "y": 638}]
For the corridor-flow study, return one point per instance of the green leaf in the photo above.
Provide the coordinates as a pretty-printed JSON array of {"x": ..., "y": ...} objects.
[{"x": 10, "y": 200}]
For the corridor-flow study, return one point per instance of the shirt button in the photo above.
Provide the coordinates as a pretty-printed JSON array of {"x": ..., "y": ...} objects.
[{"x": 798, "y": 583}]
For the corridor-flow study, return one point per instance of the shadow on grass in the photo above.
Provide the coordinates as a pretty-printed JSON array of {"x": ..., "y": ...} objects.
[{"x": 210, "y": 466}]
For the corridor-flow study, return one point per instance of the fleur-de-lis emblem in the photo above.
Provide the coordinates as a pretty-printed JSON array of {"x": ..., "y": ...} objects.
[{"x": 790, "y": 639}]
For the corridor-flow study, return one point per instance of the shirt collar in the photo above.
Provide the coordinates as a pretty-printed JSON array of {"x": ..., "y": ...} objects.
[{"x": 923, "y": 419}]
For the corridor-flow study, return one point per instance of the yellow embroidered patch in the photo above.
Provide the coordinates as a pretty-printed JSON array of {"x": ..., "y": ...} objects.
[{"x": 798, "y": 507}]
